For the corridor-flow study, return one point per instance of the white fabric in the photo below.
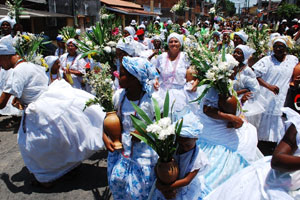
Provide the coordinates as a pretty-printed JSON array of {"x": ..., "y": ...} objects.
[
  {"x": 133, "y": 22},
  {"x": 75, "y": 63},
  {"x": 130, "y": 30},
  {"x": 177, "y": 36},
  {"x": 130, "y": 46},
  {"x": 247, "y": 51},
  {"x": 6, "y": 46},
  {"x": 277, "y": 73},
  {"x": 55, "y": 133},
  {"x": 11, "y": 21},
  {"x": 73, "y": 41},
  {"x": 142, "y": 26},
  {"x": 50, "y": 60},
  {"x": 242, "y": 35}
]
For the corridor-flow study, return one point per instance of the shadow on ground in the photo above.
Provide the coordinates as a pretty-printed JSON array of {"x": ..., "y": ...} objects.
[{"x": 87, "y": 176}]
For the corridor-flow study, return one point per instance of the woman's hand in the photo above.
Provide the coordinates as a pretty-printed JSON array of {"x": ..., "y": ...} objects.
[
  {"x": 17, "y": 103},
  {"x": 195, "y": 85},
  {"x": 235, "y": 122},
  {"x": 135, "y": 139},
  {"x": 246, "y": 97},
  {"x": 156, "y": 84},
  {"x": 108, "y": 143},
  {"x": 274, "y": 89}
]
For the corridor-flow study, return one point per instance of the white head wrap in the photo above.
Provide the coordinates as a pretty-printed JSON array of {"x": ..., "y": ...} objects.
[
  {"x": 130, "y": 46},
  {"x": 156, "y": 22},
  {"x": 157, "y": 37},
  {"x": 157, "y": 18},
  {"x": 206, "y": 22},
  {"x": 169, "y": 22},
  {"x": 177, "y": 36},
  {"x": 133, "y": 22},
  {"x": 283, "y": 21},
  {"x": 188, "y": 23},
  {"x": 11, "y": 21},
  {"x": 6, "y": 46},
  {"x": 295, "y": 20},
  {"x": 286, "y": 40},
  {"x": 50, "y": 60},
  {"x": 73, "y": 41},
  {"x": 247, "y": 51},
  {"x": 78, "y": 31},
  {"x": 130, "y": 30},
  {"x": 273, "y": 35},
  {"x": 142, "y": 26},
  {"x": 242, "y": 35}
]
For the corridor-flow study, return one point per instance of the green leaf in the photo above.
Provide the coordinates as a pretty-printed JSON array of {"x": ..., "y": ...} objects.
[
  {"x": 166, "y": 105},
  {"x": 142, "y": 113},
  {"x": 156, "y": 109},
  {"x": 139, "y": 123},
  {"x": 178, "y": 130}
]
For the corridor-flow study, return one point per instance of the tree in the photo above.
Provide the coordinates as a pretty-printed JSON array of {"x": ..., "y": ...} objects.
[
  {"x": 227, "y": 7},
  {"x": 288, "y": 11}
]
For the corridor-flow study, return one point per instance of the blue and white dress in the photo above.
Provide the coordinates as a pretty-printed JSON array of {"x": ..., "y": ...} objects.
[{"x": 131, "y": 171}]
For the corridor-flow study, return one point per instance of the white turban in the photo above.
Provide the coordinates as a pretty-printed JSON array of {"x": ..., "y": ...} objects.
[
  {"x": 50, "y": 60},
  {"x": 247, "y": 51},
  {"x": 177, "y": 36},
  {"x": 77, "y": 31},
  {"x": 73, "y": 41},
  {"x": 133, "y": 22},
  {"x": 157, "y": 37},
  {"x": 286, "y": 40},
  {"x": 242, "y": 35},
  {"x": 130, "y": 46},
  {"x": 169, "y": 22},
  {"x": 130, "y": 30},
  {"x": 142, "y": 26},
  {"x": 6, "y": 46},
  {"x": 11, "y": 21}
]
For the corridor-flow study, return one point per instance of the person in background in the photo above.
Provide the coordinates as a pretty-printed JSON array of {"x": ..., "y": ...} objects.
[
  {"x": 61, "y": 46},
  {"x": 7, "y": 24},
  {"x": 143, "y": 40}
]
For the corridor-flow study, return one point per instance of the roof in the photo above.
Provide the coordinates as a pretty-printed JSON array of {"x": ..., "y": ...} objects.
[
  {"x": 38, "y": 1},
  {"x": 120, "y": 3},
  {"x": 127, "y": 8},
  {"x": 28, "y": 13}
]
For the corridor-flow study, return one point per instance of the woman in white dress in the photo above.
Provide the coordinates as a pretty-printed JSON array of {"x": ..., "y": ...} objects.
[
  {"x": 72, "y": 64},
  {"x": 259, "y": 180},
  {"x": 172, "y": 66},
  {"x": 55, "y": 134},
  {"x": 273, "y": 73}
]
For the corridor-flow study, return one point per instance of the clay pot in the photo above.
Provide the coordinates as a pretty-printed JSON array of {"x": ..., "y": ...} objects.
[
  {"x": 167, "y": 172},
  {"x": 228, "y": 104},
  {"x": 112, "y": 127}
]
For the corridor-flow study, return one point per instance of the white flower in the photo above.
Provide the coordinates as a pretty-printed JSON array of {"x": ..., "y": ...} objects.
[
  {"x": 164, "y": 122},
  {"x": 89, "y": 43},
  {"x": 210, "y": 75},
  {"x": 153, "y": 128},
  {"x": 164, "y": 133},
  {"x": 212, "y": 10},
  {"x": 107, "y": 49},
  {"x": 223, "y": 66},
  {"x": 112, "y": 44},
  {"x": 104, "y": 16}
]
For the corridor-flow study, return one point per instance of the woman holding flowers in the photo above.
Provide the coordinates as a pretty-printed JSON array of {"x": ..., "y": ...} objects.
[
  {"x": 172, "y": 66},
  {"x": 55, "y": 134},
  {"x": 131, "y": 170},
  {"x": 274, "y": 73}
]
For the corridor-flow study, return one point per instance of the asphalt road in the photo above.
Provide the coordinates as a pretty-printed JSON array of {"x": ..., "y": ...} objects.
[{"x": 87, "y": 181}]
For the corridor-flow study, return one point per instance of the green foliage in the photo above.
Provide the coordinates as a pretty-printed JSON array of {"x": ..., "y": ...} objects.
[
  {"x": 288, "y": 11},
  {"x": 67, "y": 32},
  {"x": 15, "y": 9}
]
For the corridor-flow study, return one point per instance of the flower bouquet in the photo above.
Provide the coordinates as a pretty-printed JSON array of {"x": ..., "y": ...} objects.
[
  {"x": 67, "y": 32},
  {"x": 30, "y": 47},
  {"x": 161, "y": 136},
  {"x": 101, "y": 85},
  {"x": 215, "y": 70},
  {"x": 180, "y": 8}
]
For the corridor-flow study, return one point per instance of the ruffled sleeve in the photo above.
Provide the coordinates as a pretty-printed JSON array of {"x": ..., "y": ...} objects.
[
  {"x": 15, "y": 83},
  {"x": 261, "y": 67},
  {"x": 251, "y": 82}
]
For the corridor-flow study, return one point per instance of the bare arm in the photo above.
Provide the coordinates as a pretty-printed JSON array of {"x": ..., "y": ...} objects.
[
  {"x": 283, "y": 159},
  {"x": 272, "y": 88},
  {"x": 185, "y": 181},
  {"x": 4, "y": 99}
]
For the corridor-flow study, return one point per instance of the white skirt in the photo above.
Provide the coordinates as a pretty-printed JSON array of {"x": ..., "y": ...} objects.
[{"x": 56, "y": 134}]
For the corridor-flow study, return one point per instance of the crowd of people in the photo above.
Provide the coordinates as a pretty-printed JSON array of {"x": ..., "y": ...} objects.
[{"x": 247, "y": 154}]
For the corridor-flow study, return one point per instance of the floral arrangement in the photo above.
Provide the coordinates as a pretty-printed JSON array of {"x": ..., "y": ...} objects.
[
  {"x": 258, "y": 40},
  {"x": 101, "y": 83},
  {"x": 214, "y": 70},
  {"x": 30, "y": 47},
  {"x": 15, "y": 9},
  {"x": 159, "y": 135},
  {"x": 67, "y": 32},
  {"x": 179, "y": 8}
]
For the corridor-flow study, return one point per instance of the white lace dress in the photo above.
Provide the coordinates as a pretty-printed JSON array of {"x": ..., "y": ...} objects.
[{"x": 271, "y": 127}]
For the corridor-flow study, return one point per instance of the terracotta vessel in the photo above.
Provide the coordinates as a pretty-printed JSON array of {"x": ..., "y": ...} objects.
[
  {"x": 167, "y": 172},
  {"x": 228, "y": 104},
  {"x": 112, "y": 127}
]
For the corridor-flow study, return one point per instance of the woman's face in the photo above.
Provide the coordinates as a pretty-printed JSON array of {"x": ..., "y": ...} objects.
[
  {"x": 55, "y": 67},
  {"x": 174, "y": 45},
  {"x": 126, "y": 79},
  {"x": 125, "y": 33},
  {"x": 238, "y": 55},
  {"x": 237, "y": 40},
  {"x": 157, "y": 44},
  {"x": 71, "y": 48},
  {"x": 279, "y": 49},
  {"x": 5, "y": 62},
  {"x": 6, "y": 28},
  {"x": 186, "y": 144}
]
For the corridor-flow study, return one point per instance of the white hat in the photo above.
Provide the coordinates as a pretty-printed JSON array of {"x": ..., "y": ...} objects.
[
  {"x": 177, "y": 36},
  {"x": 50, "y": 60},
  {"x": 207, "y": 22},
  {"x": 11, "y": 21},
  {"x": 295, "y": 20},
  {"x": 242, "y": 35},
  {"x": 169, "y": 22},
  {"x": 283, "y": 21},
  {"x": 133, "y": 22},
  {"x": 247, "y": 51},
  {"x": 299, "y": 21},
  {"x": 188, "y": 23},
  {"x": 6, "y": 46},
  {"x": 78, "y": 31},
  {"x": 156, "y": 22},
  {"x": 130, "y": 46},
  {"x": 157, "y": 18}
]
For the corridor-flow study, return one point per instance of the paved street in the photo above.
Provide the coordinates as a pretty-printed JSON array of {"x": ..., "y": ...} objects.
[{"x": 88, "y": 181}]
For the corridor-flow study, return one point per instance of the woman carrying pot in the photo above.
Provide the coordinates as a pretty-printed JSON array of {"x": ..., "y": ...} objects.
[
  {"x": 55, "y": 134},
  {"x": 274, "y": 73}
]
